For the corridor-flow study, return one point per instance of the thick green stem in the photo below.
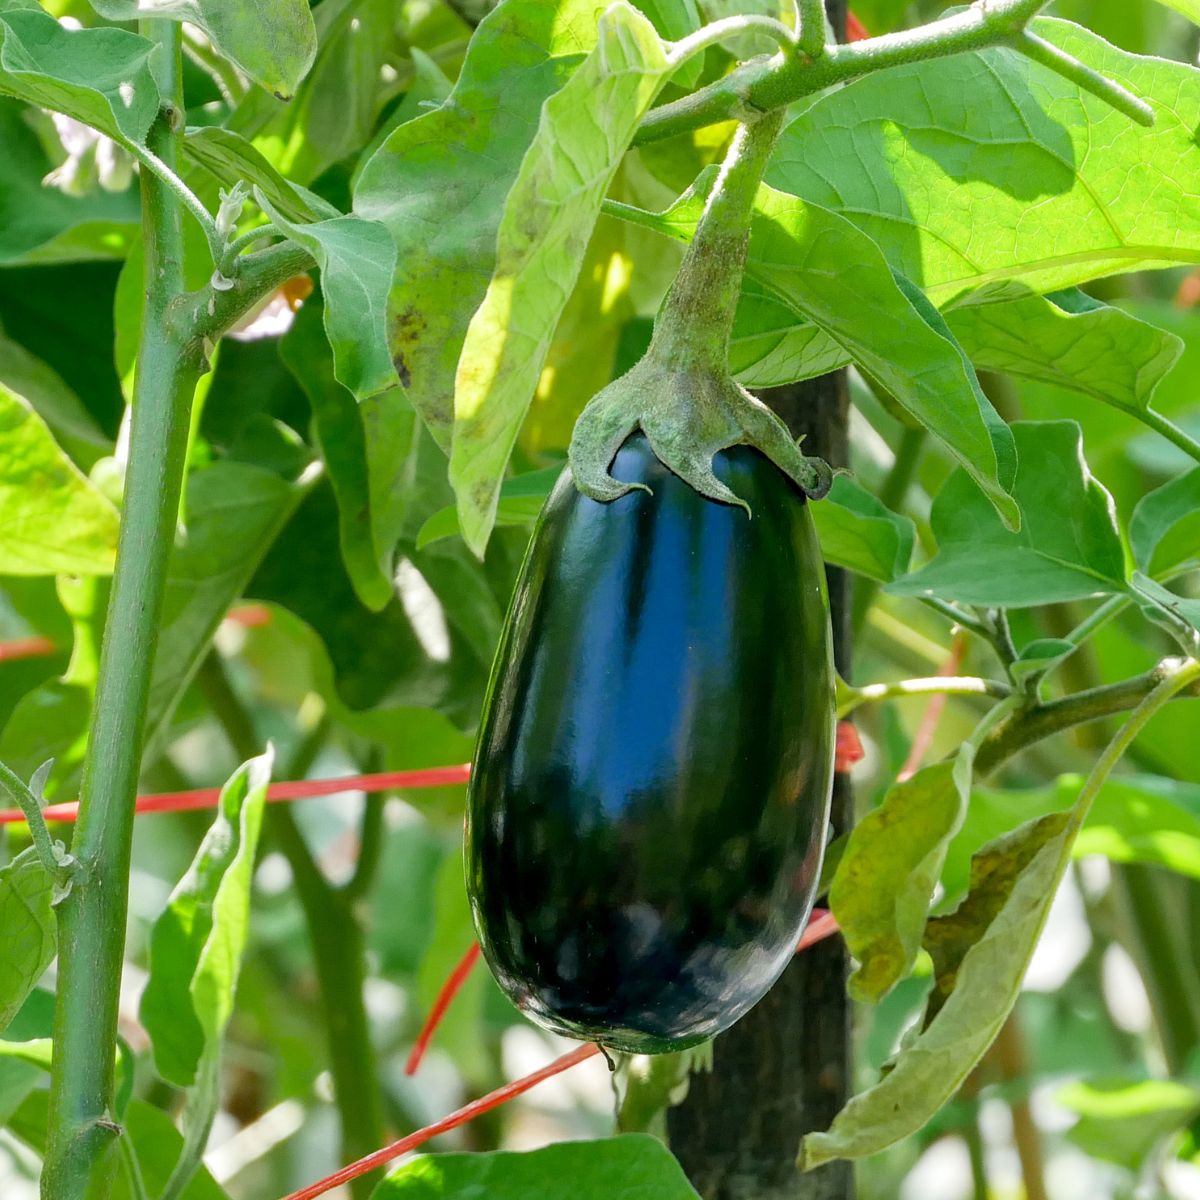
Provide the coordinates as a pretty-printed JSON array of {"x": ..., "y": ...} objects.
[
  {"x": 762, "y": 87},
  {"x": 693, "y": 326},
  {"x": 82, "y": 1131},
  {"x": 935, "y": 685},
  {"x": 336, "y": 934},
  {"x": 1171, "y": 432}
]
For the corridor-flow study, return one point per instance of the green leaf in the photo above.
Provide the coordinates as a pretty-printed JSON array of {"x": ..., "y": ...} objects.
[
  {"x": 54, "y": 519},
  {"x": 357, "y": 260},
  {"x": 980, "y": 955},
  {"x": 229, "y": 157},
  {"x": 858, "y": 532},
  {"x": 97, "y": 76},
  {"x": 674, "y": 20},
  {"x": 1028, "y": 183},
  {"x": 41, "y": 224},
  {"x": 543, "y": 235},
  {"x": 521, "y": 499},
  {"x": 1068, "y": 548},
  {"x": 1122, "y": 1120},
  {"x": 438, "y": 181},
  {"x": 816, "y": 264},
  {"x": 27, "y": 930},
  {"x": 273, "y": 41},
  {"x": 886, "y": 879},
  {"x": 1164, "y": 531},
  {"x": 197, "y": 944},
  {"x": 1178, "y": 614},
  {"x": 1070, "y": 340},
  {"x": 371, "y": 449},
  {"x": 1189, "y": 8},
  {"x": 1040, "y": 656},
  {"x": 633, "y": 1166},
  {"x": 1135, "y": 819}
]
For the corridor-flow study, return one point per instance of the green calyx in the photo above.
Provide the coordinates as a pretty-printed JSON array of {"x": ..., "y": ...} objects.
[
  {"x": 687, "y": 416},
  {"x": 681, "y": 395}
]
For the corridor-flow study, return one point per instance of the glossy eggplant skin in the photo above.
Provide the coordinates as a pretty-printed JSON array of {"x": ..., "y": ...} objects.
[{"x": 648, "y": 808}]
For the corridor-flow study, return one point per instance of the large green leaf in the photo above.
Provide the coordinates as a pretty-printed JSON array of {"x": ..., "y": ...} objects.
[
  {"x": 1070, "y": 340},
  {"x": 1033, "y": 181},
  {"x": 1121, "y": 1120},
  {"x": 196, "y": 946},
  {"x": 1164, "y": 531},
  {"x": 97, "y": 76},
  {"x": 52, "y": 519},
  {"x": 372, "y": 450},
  {"x": 817, "y": 265},
  {"x": 543, "y": 236},
  {"x": 1068, "y": 547},
  {"x": 272, "y": 41},
  {"x": 27, "y": 930},
  {"x": 42, "y": 224},
  {"x": 357, "y": 259},
  {"x": 438, "y": 183},
  {"x": 633, "y": 1166}
]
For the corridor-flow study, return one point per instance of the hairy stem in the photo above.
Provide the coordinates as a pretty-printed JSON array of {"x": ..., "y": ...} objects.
[
  {"x": 934, "y": 685},
  {"x": 82, "y": 1134},
  {"x": 336, "y": 935}
]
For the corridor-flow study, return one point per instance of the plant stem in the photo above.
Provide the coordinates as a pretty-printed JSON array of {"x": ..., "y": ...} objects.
[
  {"x": 167, "y": 176},
  {"x": 693, "y": 326},
  {"x": 82, "y": 1132},
  {"x": 934, "y": 685},
  {"x": 1171, "y": 432},
  {"x": 336, "y": 934},
  {"x": 785, "y": 79},
  {"x": 1040, "y": 721},
  {"x": 1008, "y": 1053},
  {"x": 810, "y": 25}
]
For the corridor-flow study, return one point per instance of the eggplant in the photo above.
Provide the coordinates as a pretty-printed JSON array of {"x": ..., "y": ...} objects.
[{"x": 648, "y": 808}]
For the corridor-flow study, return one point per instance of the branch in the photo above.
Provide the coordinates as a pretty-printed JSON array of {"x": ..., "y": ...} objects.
[
  {"x": 1041, "y": 721},
  {"x": 781, "y": 81},
  {"x": 935, "y": 685}
]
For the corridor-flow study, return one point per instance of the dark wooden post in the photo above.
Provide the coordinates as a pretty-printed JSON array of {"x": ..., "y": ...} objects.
[{"x": 784, "y": 1069}]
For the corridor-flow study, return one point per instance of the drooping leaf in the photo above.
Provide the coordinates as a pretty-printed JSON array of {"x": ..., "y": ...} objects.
[
  {"x": 980, "y": 955},
  {"x": 858, "y": 532},
  {"x": 52, "y": 519},
  {"x": 371, "y": 449},
  {"x": 1164, "y": 531},
  {"x": 1012, "y": 187},
  {"x": 196, "y": 946},
  {"x": 633, "y": 1166},
  {"x": 97, "y": 76},
  {"x": 357, "y": 260},
  {"x": 438, "y": 181},
  {"x": 548, "y": 217},
  {"x": 1070, "y": 340},
  {"x": 27, "y": 930},
  {"x": 1068, "y": 547},
  {"x": 886, "y": 879},
  {"x": 853, "y": 307},
  {"x": 41, "y": 224},
  {"x": 273, "y": 42}
]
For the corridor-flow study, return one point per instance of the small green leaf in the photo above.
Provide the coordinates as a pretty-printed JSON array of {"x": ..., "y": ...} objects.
[
  {"x": 97, "y": 76},
  {"x": 1122, "y": 1120},
  {"x": 1179, "y": 614},
  {"x": 633, "y": 1166},
  {"x": 548, "y": 217},
  {"x": 862, "y": 534},
  {"x": 1164, "y": 531},
  {"x": 273, "y": 42},
  {"x": 27, "y": 930},
  {"x": 886, "y": 879},
  {"x": 438, "y": 181},
  {"x": 1068, "y": 548},
  {"x": 357, "y": 260},
  {"x": 54, "y": 520},
  {"x": 196, "y": 946},
  {"x": 1040, "y": 656},
  {"x": 371, "y": 449},
  {"x": 521, "y": 499}
]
